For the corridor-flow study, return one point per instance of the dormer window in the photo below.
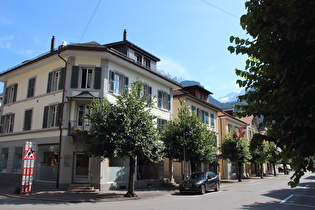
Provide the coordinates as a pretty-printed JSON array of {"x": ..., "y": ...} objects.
[
  {"x": 138, "y": 58},
  {"x": 147, "y": 63}
]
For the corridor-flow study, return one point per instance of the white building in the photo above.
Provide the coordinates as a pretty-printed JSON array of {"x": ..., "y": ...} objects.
[{"x": 47, "y": 97}]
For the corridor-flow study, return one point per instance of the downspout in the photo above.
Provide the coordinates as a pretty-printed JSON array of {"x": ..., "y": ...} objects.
[{"x": 61, "y": 119}]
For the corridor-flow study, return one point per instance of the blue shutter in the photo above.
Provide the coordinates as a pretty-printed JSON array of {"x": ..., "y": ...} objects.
[
  {"x": 126, "y": 82},
  {"x": 159, "y": 98},
  {"x": 49, "y": 82},
  {"x": 111, "y": 81},
  {"x": 45, "y": 119},
  {"x": 168, "y": 101},
  {"x": 97, "y": 77},
  {"x": 75, "y": 76}
]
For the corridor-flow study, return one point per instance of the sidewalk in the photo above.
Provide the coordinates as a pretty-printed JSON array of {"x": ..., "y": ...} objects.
[{"x": 44, "y": 193}]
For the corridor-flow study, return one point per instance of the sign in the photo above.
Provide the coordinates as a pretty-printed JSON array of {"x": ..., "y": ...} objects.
[{"x": 28, "y": 167}]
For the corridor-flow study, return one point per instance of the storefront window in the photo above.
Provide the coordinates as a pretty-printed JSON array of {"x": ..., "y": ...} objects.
[
  {"x": 118, "y": 170},
  {"x": 47, "y": 162},
  {"x": 147, "y": 170},
  {"x": 17, "y": 160},
  {"x": 4, "y": 160}
]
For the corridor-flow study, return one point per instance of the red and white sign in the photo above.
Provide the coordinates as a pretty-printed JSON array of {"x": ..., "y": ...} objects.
[{"x": 28, "y": 167}]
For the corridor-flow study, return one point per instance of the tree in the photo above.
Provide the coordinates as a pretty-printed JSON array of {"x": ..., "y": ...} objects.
[
  {"x": 125, "y": 130},
  {"x": 236, "y": 150},
  {"x": 277, "y": 75},
  {"x": 274, "y": 156},
  {"x": 258, "y": 148},
  {"x": 186, "y": 138}
]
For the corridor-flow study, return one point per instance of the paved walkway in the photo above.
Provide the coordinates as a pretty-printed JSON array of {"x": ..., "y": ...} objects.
[{"x": 44, "y": 193}]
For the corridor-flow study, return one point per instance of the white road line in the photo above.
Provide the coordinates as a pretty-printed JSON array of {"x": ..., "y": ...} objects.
[{"x": 283, "y": 201}]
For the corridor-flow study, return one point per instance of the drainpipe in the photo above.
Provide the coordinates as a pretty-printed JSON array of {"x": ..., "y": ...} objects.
[{"x": 61, "y": 119}]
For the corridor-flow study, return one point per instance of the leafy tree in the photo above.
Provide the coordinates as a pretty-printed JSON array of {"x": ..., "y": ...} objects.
[
  {"x": 236, "y": 150},
  {"x": 188, "y": 136},
  {"x": 277, "y": 77},
  {"x": 258, "y": 148},
  {"x": 274, "y": 156},
  {"x": 125, "y": 130}
]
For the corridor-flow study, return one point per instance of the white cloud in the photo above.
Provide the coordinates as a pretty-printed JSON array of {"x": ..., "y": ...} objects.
[
  {"x": 170, "y": 66},
  {"x": 5, "y": 42}
]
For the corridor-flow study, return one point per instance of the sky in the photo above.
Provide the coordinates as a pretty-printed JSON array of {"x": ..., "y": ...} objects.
[{"x": 190, "y": 37}]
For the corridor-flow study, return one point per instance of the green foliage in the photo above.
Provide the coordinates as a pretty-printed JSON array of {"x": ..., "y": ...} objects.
[
  {"x": 235, "y": 149},
  {"x": 277, "y": 74},
  {"x": 259, "y": 149},
  {"x": 188, "y": 131},
  {"x": 124, "y": 129}
]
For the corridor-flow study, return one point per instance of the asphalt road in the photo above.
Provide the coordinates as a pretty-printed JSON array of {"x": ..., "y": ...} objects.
[{"x": 267, "y": 193}]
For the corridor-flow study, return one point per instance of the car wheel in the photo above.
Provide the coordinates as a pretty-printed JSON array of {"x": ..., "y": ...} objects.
[
  {"x": 202, "y": 189},
  {"x": 217, "y": 186}
]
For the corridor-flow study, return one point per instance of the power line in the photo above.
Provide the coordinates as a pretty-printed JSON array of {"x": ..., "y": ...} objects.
[
  {"x": 220, "y": 9},
  {"x": 90, "y": 20}
]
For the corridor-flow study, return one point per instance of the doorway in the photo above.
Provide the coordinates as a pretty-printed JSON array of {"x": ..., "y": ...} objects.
[{"x": 81, "y": 168}]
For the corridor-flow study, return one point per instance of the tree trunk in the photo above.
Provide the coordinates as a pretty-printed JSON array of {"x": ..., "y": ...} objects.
[
  {"x": 274, "y": 169},
  {"x": 193, "y": 166},
  {"x": 261, "y": 171},
  {"x": 131, "y": 183},
  {"x": 239, "y": 171}
]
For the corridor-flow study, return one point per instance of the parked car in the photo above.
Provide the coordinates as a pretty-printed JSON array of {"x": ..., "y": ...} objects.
[{"x": 200, "y": 182}]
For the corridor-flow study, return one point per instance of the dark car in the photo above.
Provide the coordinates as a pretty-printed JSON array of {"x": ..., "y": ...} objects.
[{"x": 200, "y": 182}]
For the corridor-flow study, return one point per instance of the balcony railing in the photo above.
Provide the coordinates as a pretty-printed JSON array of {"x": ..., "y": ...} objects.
[{"x": 77, "y": 128}]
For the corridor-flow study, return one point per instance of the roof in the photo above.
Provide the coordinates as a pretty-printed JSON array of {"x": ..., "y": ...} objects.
[
  {"x": 181, "y": 92},
  {"x": 223, "y": 113}
]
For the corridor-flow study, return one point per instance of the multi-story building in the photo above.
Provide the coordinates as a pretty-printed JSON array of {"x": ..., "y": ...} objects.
[
  {"x": 228, "y": 123},
  {"x": 197, "y": 97},
  {"x": 47, "y": 100}
]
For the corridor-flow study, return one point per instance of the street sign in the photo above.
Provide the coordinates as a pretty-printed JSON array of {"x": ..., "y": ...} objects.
[{"x": 28, "y": 167}]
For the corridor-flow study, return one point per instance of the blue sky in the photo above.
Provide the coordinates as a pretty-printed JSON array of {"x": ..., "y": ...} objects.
[{"x": 189, "y": 36}]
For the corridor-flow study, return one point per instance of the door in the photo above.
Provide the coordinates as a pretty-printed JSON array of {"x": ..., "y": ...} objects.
[{"x": 81, "y": 168}]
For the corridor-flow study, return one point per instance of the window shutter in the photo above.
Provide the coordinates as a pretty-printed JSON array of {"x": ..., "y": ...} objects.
[
  {"x": 62, "y": 74},
  {"x": 31, "y": 87},
  {"x": 75, "y": 76},
  {"x": 149, "y": 93},
  {"x": 59, "y": 114},
  {"x": 111, "y": 81},
  {"x": 12, "y": 123},
  {"x": 28, "y": 119},
  {"x": 6, "y": 95},
  {"x": 15, "y": 92},
  {"x": 159, "y": 98},
  {"x": 45, "y": 119},
  {"x": 97, "y": 77},
  {"x": 49, "y": 83},
  {"x": 126, "y": 82},
  {"x": 168, "y": 101},
  {"x": 1, "y": 123}
]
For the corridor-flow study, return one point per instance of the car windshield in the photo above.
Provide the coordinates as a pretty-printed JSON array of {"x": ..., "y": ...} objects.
[{"x": 198, "y": 176}]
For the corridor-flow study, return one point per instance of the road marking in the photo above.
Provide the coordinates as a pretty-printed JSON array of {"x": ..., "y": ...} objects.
[{"x": 283, "y": 201}]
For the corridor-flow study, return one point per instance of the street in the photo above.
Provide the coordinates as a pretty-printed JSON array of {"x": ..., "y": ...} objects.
[{"x": 256, "y": 193}]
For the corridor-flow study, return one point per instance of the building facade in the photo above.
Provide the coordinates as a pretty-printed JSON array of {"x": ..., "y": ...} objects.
[{"x": 47, "y": 100}]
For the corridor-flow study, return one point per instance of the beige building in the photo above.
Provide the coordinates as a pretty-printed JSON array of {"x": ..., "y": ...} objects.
[
  {"x": 47, "y": 99},
  {"x": 197, "y": 98}
]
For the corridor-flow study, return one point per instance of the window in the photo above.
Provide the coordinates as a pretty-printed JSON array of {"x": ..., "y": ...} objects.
[
  {"x": 7, "y": 123},
  {"x": 147, "y": 170},
  {"x": 138, "y": 58},
  {"x": 164, "y": 100},
  {"x": 4, "y": 152},
  {"x": 47, "y": 162},
  {"x": 31, "y": 87},
  {"x": 147, "y": 63},
  {"x": 161, "y": 124},
  {"x": 212, "y": 119},
  {"x": 10, "y": 94},
  {"x": 117, "y": 82},
  {"x": 55, "y": 80},
  {"x": 28, "y": 119},
  {"x": 17, "y": 160},
  {"x": 193, "y": 109},
  {"x": 52, "y": 116},
  {"x": 83, "y": 113},
  {"x": 86, "y": 77},
  {"x": 147, "y": 92}
]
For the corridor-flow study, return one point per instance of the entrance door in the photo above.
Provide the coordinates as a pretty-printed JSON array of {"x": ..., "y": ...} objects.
[{"x": 81, "y": 168}]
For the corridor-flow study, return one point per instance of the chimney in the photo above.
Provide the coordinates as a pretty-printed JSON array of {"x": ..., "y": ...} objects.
[
  {"x": 52, "y": 46},
  {"x": 125, "y": 35}
]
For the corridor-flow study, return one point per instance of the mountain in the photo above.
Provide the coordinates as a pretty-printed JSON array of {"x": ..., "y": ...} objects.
[{"x": 231, "y": 97}]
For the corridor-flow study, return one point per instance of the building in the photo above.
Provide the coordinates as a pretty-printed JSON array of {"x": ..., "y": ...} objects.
[
  {"x": 230, "y": 124},
  {"x": 47, "y": 99},
  {"x": 197, "y": 97}
]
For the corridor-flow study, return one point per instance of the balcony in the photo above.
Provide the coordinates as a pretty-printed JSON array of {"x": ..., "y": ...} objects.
[{"x": 77, "y": 129}]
